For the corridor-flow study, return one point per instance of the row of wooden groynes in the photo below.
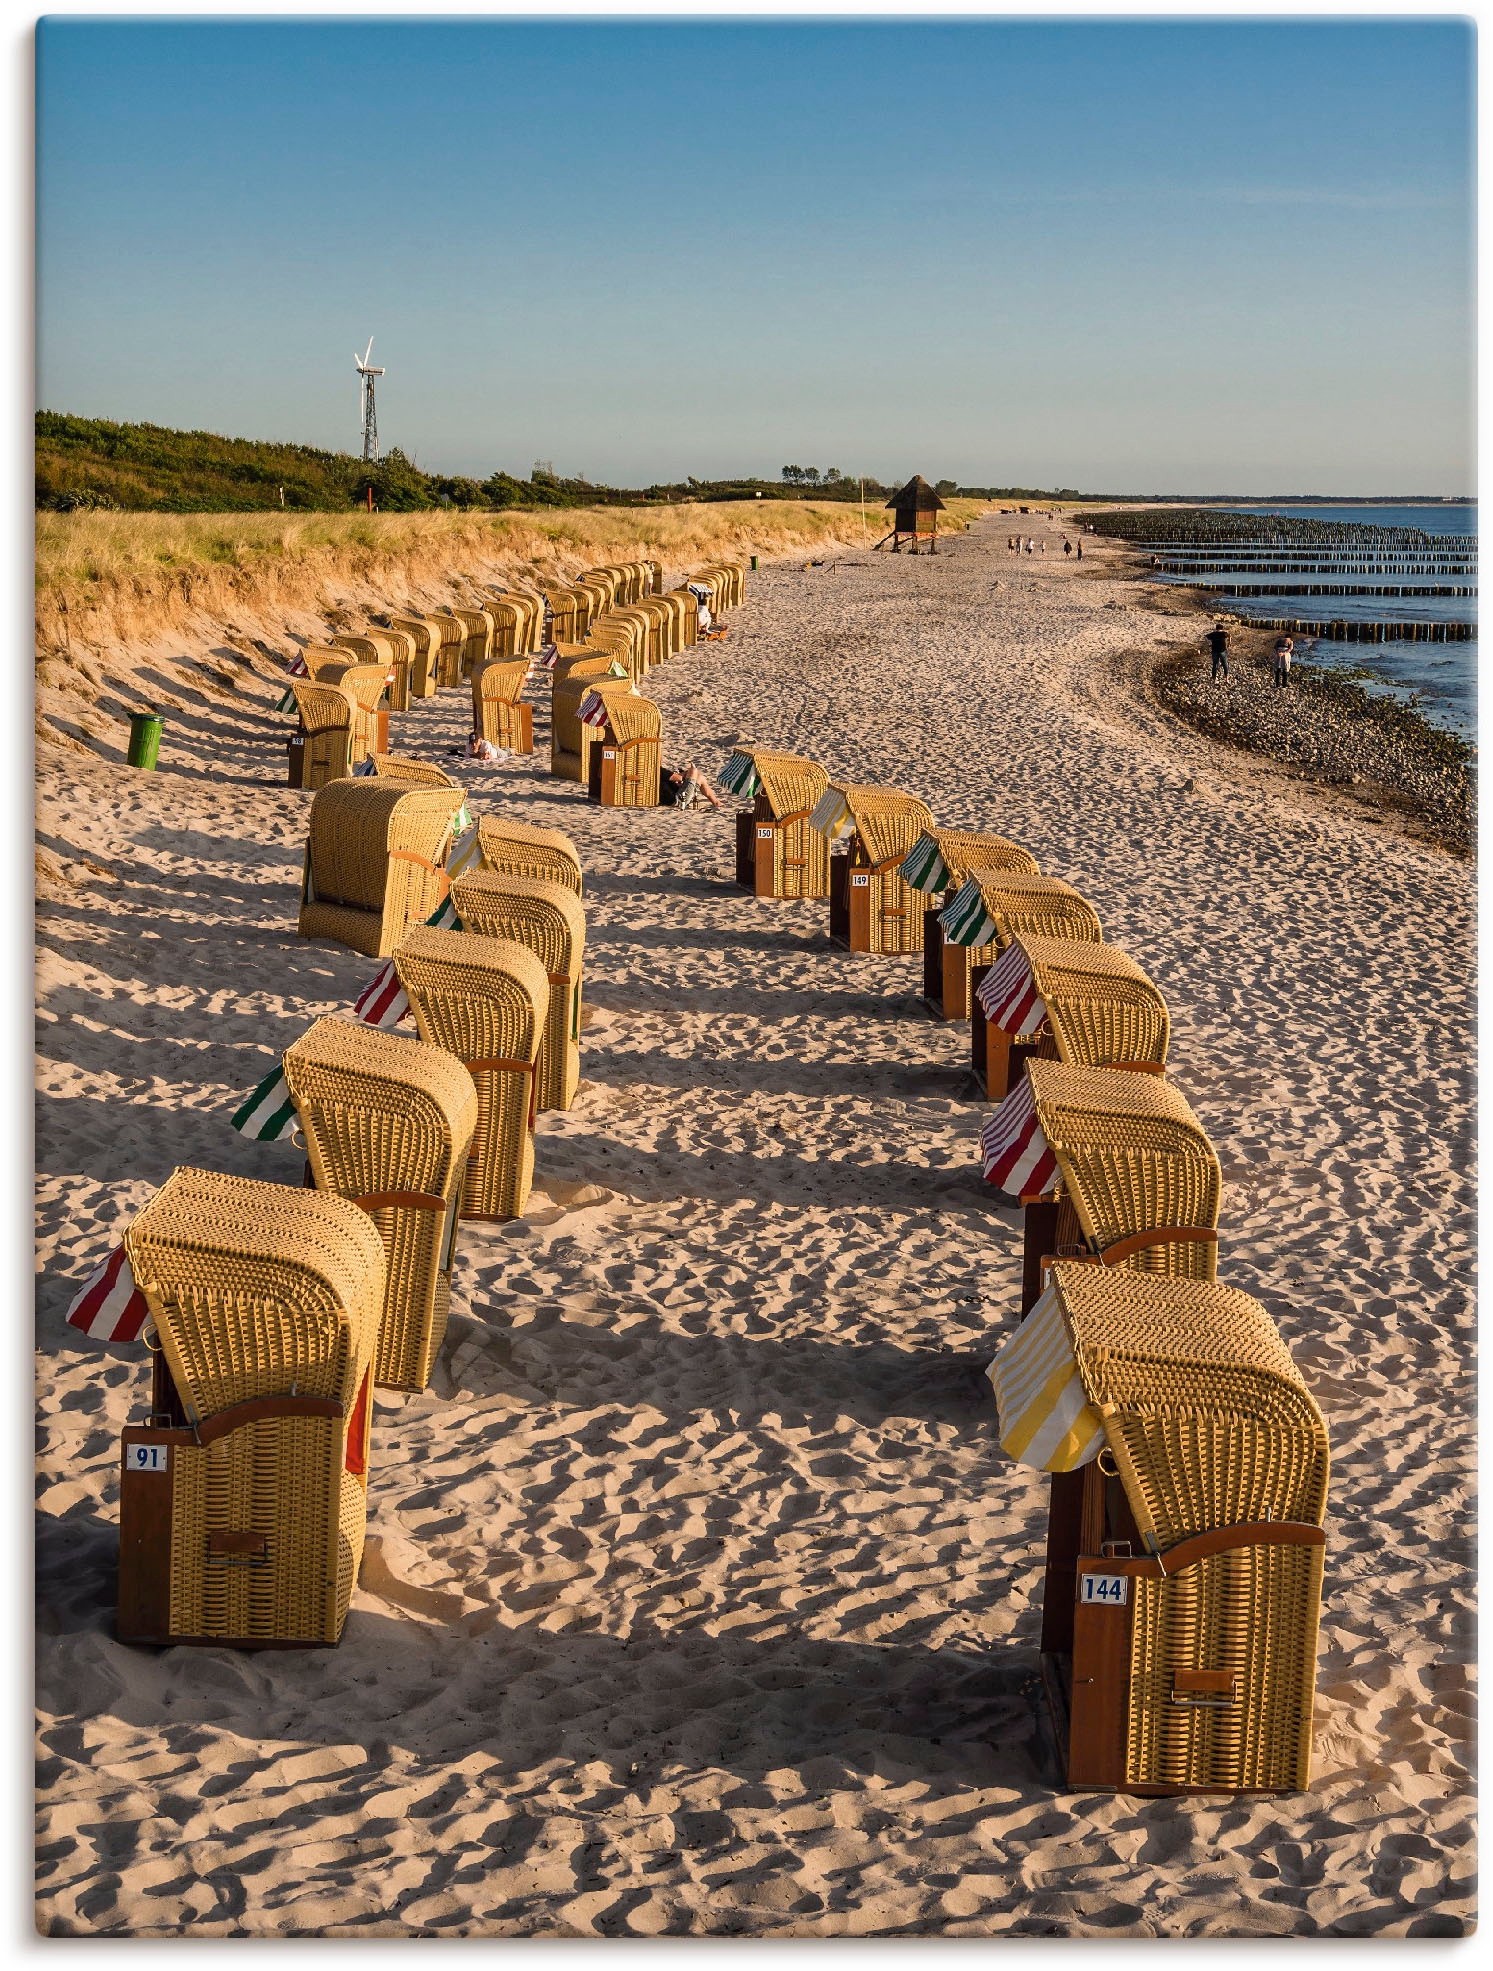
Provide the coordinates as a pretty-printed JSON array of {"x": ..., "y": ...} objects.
[
  {"x": 346, "y": 687},
  {"x": 1187, "y": 1458}
]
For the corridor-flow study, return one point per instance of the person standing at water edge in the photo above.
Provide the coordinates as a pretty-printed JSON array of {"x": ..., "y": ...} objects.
[
  {"x": 1217, "y": 641},
  {"x": 1283, "y": 648}
]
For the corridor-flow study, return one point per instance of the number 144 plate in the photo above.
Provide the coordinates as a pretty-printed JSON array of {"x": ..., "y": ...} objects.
[{"x": 1112, "y": 1589}]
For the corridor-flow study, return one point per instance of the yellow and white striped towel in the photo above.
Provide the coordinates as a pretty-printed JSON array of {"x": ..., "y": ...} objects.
[{"x": 1046, "y": 1420}]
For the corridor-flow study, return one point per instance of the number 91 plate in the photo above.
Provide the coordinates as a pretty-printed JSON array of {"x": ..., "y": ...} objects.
[{"x": 1111, "y": 1589}]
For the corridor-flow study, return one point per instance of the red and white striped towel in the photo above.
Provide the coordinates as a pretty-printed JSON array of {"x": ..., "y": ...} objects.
[
  {"x": 1013, "y": 1149},
  {"x": 593, "y": 710},
  {"x": 110, "y": 1307},
  {"x": 1008, "y": 994}
]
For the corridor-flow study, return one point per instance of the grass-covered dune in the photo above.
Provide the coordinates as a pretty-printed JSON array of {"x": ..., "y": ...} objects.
[{"x": 115, "y": 590}]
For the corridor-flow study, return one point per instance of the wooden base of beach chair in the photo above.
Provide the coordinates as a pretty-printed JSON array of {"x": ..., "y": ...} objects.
[
  {"x": 996, "y": 1061},
  {"x": 518, "y": 726},
  {"x": 946, "y": 972},
  {"x": 295, "y": 763},
  {"x": 1096, "y": 1576},
  {"x": 746, "y": 851},
  {"x": 613, "y": 779},
  {"x": 175, "y": 1558},
  {"x": 850, "y": 905},
  {"x": 766, "y": 862}
]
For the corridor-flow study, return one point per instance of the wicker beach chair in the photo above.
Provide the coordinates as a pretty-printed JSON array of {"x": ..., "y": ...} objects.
[
  {"x": 686, "y": 617},
  {"x": 625, "y": 635},
  {"x": 388, "y": 1123},
  {"x": 477, "y": 630},
  {"x": 391, "y": 651},
  {"x": 528, "y": 608},
  {"x": 365, "y": 685},
  {"x": 453, "y": 634},
  {"x": 318, "y": 657},
  {"x": 375, "y": 861},
  {"x": 410, "y": 773},
  {"x": 777, "y": 853},
  {"x": 600, "y": 587},
  {"x": 939, "y": 863},
  {"x": 512, "y": 848},
  {"x": 497, "y": 713},
  {"x": 624, "y": 768},
  {"x": 485, "y": 1000},
  {"x": 1087, "y": 1004},
  {"x": 871, "y": 907},
  {"x": 548, "y": 919},
  {"x": 568, "y": 613},
  {"x": 425, "y": 636},
  {"x": 1112, "y": 1167},
  {"x": 571, "y": 742},
  {"x": 990, "y": 908},
  {"x": 243, "y": 1498},
  {"x": 1185, "y": 1544},
  {"x": 321, "y": 750}
]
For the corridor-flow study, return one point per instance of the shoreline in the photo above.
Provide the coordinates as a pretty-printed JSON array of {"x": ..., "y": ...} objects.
[{"x": 1388, "y": 759}]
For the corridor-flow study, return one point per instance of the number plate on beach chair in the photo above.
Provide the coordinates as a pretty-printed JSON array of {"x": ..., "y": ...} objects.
[{"x": 1112, "y": 1589}]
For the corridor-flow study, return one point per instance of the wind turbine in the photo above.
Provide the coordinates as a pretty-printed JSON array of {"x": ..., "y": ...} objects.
[{"x": 366, "y": 373}]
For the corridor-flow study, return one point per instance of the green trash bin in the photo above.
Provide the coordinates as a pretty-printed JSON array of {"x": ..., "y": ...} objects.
[{"x": 145, "y": 740}]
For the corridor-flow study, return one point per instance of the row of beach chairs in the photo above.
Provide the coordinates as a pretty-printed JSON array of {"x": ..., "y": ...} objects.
[
  {"x": 1187, "y": 1460},
  {"x": 271, "y": 1310},
  {"x": 612, "y": 623}
]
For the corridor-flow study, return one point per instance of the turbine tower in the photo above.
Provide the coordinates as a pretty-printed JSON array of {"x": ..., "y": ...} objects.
[{"x": 366, "y": 373}]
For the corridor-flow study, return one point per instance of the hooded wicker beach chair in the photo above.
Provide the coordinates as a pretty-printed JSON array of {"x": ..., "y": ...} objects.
[
  {"x": 686, "y": 616},
  {"x": 322, "y": 749},
  {"x": 990, "y": 908},
  {"x": 425, "y": 635},
  {"x": 624, "y": 637},
  {"x": 485, "y": 1000},
  {"x": 243, "y": 1498},
  {"x": 624, "y": 767},
  {"x": 453, "y": 635},
  {"x": 411, "y": 773},
  {"x": 572, "y": 741},
  {"x": 318, "y": 657},
  {"x": 512, "y": 848},
  {"x": 375, "y": 861},
  {"x": 548, "y": 919},
  {"x": 568, "y": 613},
  {"x": 388, "y": 1123},
  {"x": 1185, "y": 1546},
  {"x": 391, "y": 651},
  {"x": 1087, "y": 1004},
  {"x": 939, "y": 863},
  {"x": 777, "y": 853},
  {"x": 497, "y": 713},
  {"x": 600, "y": 587},
  {"x": 871, "y": 907},
  {"x": 477, "y": 625},
  {"x": 1112, "y": 1167},
  {"x": 365, "y": 685}
]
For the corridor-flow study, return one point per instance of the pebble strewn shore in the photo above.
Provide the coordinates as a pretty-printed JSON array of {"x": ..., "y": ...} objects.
[{"x": 1335, "y": 733}]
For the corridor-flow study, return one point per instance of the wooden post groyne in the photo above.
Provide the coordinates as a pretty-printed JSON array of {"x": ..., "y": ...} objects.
[{"x": 1339, "y": 631}]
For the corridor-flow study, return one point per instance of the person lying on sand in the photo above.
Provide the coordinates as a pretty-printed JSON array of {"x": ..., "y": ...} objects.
[
  {"x": 684, "y": 787},
  {"x": 482, "y": 749}
]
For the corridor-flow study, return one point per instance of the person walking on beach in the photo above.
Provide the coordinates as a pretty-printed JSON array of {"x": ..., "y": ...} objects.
[
  {"x": 1217, "y": 641},
  {"x": 1067, "y": 546},
  {"x": 1080, "y": 550},
  {"x": 1283, "y": 648}
]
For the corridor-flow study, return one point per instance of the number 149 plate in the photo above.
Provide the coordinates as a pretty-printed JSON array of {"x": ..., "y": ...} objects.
[{"x": 1112, "y": 1589}]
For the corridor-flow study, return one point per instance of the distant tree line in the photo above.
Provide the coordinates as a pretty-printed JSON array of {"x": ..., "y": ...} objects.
[{"x": 91, "y": 462}]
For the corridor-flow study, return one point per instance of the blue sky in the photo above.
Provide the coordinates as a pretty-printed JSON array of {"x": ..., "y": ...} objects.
[{"x": 1114, "y": 255}]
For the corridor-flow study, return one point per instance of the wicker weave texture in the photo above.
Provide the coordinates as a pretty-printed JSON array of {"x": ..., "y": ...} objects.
[
  {"x": 634, "y": 730},
  {"x": 410, "y": 773},
  {"x": 377, "y": 854},
  {"x": 1211, "y": 1426},
  {"x": 326, "y": 717},
  {"x": 262, "y": 1291},
  {"x": 513, "y": 848},
  {"x": 1101, "y": 1008},
  {"x": 496, "y": 689},
  {"x": 484, "y": 1000},
  {"x": 965, "y": 850},
  {"x": 790, "y": 786},
  {"x": 1133, "y": 1158},
  {"x": 548, "y": 920},
  {"x": 425, "y": 636},
  {"x": 570, "y": 740},
  {"x": 385, "y": 1116}
]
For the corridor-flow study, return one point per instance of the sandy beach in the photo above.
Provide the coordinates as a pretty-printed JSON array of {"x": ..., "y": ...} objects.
[{"x": 699, "y": 1598}]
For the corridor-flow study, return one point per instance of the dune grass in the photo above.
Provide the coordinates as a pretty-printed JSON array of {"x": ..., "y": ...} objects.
[{"x": 124, "y": 577}]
